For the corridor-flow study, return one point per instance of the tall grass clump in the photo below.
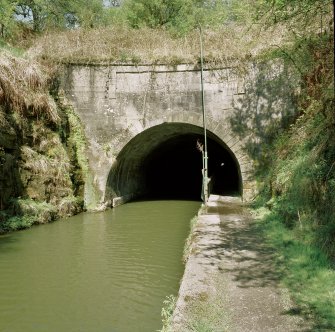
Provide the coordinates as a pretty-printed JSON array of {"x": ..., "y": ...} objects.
[
  {"x": 24, "y": 88},
  {"x": 122, "y": 44},
  {"x": 169, "y": 305}
]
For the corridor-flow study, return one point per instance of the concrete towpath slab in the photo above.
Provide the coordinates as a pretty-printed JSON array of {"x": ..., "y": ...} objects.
[{"x": 231, "y": 281}]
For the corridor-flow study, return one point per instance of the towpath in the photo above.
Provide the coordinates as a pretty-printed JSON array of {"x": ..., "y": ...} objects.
[{"x": 231, "y": 281}]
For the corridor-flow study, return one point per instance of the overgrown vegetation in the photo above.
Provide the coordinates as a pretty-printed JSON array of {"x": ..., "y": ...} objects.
[
  {"x": 178, "y": 16},
  {"x": 23, "y": 87},
  {"x": 142, "y": 31},
  {"x": 169, "y": 305},
  {"x": 297, "y": 170},
  {"x": 121, "y": 44},
  {"x": 306, "y": 270},
  {"x": 40, "y": 177},
  {"x": 299, "y": 173}
]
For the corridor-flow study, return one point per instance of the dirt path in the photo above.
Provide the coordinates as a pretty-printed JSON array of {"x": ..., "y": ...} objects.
[{"x": 231, "y": 282}]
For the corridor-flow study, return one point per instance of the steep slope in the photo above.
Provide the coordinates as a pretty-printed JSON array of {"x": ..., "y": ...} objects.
[{"x": 40, "y": 177}]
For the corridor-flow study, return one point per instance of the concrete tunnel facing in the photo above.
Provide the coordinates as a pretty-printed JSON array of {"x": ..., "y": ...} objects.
[{"x": 163, "y": 162}]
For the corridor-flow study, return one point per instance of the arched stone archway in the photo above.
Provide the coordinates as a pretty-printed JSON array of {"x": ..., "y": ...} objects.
[
  {"x": 162, "y": 161},
  {"x": 118, "y": 104}
]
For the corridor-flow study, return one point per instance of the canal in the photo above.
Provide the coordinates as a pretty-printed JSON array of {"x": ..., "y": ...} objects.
[{"x": 100, "y": 272}]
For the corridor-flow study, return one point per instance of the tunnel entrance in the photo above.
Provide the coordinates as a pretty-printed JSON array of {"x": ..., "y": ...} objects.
[
  {"x": 174, "y": 169},
  {"x": 163, "y": 162}
]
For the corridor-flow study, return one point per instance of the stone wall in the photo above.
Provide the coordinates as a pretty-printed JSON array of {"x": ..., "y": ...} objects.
[{"x": 117, "y": 103}]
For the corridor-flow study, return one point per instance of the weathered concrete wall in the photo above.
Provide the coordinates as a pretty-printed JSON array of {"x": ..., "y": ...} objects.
[{"x": 116, "y": 103}]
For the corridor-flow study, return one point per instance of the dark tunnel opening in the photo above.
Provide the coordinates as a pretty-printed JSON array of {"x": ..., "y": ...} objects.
[
  {"x": 174, "y": 169},
  {"x": 163, "y": 162}
]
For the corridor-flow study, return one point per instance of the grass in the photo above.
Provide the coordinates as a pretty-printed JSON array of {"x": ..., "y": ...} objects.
[
  {"x": 308, "y": 273},
  {"x": 27, "y": 212},
  {"x": 16, "y": 223},
  {"x": 169, "y": 304},
  {"x": 76, "y": 140},
  {"x": 207, "y": 312},
  {"x": 300, "y": 223},
  {"x": 121, "y": 44},
  {"x": 77, "y": 145},
  {"x": 24, "y": 88},
  {"x": 18, "y": 52},
  {"x": 69, "y": 206},
  {"x": 298, "y": 187},
  {"x": 190, "y": 240}
]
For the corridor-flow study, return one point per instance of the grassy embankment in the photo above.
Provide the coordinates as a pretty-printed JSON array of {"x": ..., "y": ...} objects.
[
  {"x": 296, "y": 207},
  {"x": 41, "y": 146}
]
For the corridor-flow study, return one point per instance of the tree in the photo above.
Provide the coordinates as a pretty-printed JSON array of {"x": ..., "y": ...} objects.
[
  {"x": 42, "y": 14},
  {"x": 180, "y": 15},
  {"x": 303, "y": 12},
  {"x": 6, "y": 16}
]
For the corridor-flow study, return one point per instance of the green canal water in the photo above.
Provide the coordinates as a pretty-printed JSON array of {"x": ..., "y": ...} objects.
[{"x": 108, "y": 272}]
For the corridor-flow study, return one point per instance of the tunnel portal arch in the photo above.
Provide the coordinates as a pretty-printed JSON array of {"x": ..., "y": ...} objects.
[{"x": 163, "y": 162}]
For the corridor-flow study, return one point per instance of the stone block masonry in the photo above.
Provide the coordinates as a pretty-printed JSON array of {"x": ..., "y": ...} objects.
[{"x": 116, "y": 103}]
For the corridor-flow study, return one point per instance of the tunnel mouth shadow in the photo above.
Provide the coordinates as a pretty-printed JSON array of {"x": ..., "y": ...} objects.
[{"x": 164, "y": 163}]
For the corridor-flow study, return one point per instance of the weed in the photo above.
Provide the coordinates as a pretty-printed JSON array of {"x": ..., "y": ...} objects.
[
  {"x": 16, "y": 223},
  {"x": 23, "y": 88},
  {"x": 169, "y": 305},
  {"x": 18, "y": 52},
  {"x": 76, "y": 140},
  {"x": 207, "y": 311},
  {"x": 190, "y": 240},
  {"x": 144, "y": 45},
  {"x": 70, "y": 206},
  {"x": 25, "y": 213}
]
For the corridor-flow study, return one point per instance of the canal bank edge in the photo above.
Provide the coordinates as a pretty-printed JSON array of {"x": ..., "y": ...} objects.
[{"x": 230, "y": 282}]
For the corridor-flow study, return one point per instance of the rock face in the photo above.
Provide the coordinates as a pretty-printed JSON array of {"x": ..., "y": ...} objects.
[{"x": 40, "y": 177}]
